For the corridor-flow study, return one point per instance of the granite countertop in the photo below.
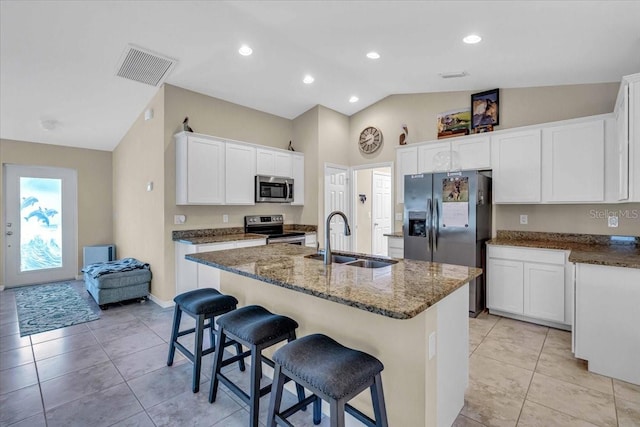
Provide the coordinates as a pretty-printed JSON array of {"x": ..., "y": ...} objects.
[
  {"x": 400, "y": 291},
  {"x": 394, "y": 234},
  {"x": 585, "y": 248},
  {"x": 218, "y": 235}
]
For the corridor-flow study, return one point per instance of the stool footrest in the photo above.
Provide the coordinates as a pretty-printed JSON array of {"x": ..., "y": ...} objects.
[
  {"x": 298, "y": 406},
  {"x": 359, "y": 415}
]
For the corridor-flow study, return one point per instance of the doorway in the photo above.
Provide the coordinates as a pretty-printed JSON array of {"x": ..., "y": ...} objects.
[
  {"x": 40, "y": 211},
  {"x": 336, "y": 198},
  {"x": 373, "y": 208}
]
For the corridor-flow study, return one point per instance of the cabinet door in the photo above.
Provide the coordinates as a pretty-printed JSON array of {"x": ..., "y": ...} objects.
[
  {"x": 282, "y": 164},
  {"x": 544, "y": 291},
  {"x": 406, "y": 164},
  {"x": 240, "y": 174},
  {"x": 622, "y": 142},
  {"x": 265, "y": 162},
  {"x": 297, "y": 169},
  {"x": 573, "y": 162},
  {"x": 434, "y": 157},
  {"x": 516, "y": 159},
  {"x": 505, "y": 285},
  {"x": 204, "y": 172},
  {"x": 471, "y": 153}
]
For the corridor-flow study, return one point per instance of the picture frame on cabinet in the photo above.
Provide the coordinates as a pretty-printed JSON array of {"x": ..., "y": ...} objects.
[
  {"x": 485, "y": 108},
  {"x": 483, "y": 129},
  {"x": 454, "y": 123}
]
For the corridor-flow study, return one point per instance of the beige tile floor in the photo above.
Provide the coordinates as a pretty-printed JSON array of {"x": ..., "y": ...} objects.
[
  {"x": 521, "y": 374},
  {"x": 112, "y": 372}
]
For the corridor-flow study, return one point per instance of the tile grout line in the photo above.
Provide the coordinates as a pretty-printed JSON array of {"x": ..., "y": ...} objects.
[
  {"x": 35, "y": 366},
  {"x": 546, "y": 335}
]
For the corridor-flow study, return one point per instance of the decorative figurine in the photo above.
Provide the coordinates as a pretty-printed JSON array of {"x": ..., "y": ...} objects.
[
  {"x": 185, "y": 125},
  {"x": 290, "y": 148},
  {"x": 404, "y": 136}
]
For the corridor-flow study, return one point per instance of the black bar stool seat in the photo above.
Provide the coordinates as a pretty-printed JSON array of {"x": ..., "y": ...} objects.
[
  {"x": 201, "y": 304},
  {"x": 332, "y": 372},
  {"x": 256, "y": 328}
]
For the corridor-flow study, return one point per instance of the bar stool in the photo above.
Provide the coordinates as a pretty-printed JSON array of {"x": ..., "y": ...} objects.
[
  {"x": 331, "y": 372},
  {"x": 201, "y": 304},
  {"x": 256, "y": 328}
]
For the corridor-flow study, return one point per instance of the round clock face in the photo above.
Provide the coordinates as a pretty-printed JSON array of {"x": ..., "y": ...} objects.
[{"x": 370, "y": 140}]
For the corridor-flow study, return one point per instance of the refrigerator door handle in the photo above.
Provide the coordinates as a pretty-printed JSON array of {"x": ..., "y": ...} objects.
[
  {"x": 429, "y": 222},
  {"x": 436, "y": 227}
]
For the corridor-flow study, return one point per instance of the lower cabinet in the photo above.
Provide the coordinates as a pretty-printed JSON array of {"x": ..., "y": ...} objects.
[
  {"x": 396, "y": 247},
  {"x": 607, "y": 316},
  {"x": 310, "y": 240},
  {"x": 530, "y": 284},
  {"x": 191, "y": 275}
]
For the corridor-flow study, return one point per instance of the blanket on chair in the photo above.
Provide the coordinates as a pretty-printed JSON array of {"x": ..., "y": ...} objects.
[{"x": 101, "y": 268}]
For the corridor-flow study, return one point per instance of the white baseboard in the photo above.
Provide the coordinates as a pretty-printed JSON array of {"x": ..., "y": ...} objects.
[{"x": 160, "y": 302}]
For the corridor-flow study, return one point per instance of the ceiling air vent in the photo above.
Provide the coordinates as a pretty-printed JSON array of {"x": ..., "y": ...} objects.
[
  {"x": 144, "y": 66},
  {"x": 453, "y": 74}
]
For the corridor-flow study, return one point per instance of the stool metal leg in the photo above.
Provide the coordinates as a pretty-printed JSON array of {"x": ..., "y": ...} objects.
[
  {"x": 177, "y": 316},
  {"x": 379, "y": 407},
  {"x": 337, "y": 413},
  {"x": 241, "y": 361},
  {"x": 276, "y": 395},
  {"x": 256, "y": 374},
  {"x": 197, "y": 360},
  {"x": 217, "y": 363}
]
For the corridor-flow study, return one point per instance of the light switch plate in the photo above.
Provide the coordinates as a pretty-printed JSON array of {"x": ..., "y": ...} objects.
[
  {"x": 612, "y": 221},
  {"x": 225, "y": 218},
  {"x": 179, "y": 219},
  {"x": 399, "y": 216},
  {"x": 524, "y": 219}
]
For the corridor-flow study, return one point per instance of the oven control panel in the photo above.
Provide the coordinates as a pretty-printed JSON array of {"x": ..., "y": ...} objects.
[{"x": 263, "y": 219}]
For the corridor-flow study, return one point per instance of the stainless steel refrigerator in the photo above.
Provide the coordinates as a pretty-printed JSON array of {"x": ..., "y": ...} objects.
[{"x": 447, "y": 219}]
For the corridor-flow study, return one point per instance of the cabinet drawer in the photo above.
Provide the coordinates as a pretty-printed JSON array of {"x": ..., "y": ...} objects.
[
  {"x": 529, "y": 254},
  {"x": 396, "y": 243},
  {"x": 250, "y": 243}
]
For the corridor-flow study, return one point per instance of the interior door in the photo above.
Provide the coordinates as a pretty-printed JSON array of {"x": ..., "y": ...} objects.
[
  {"x": 40, "y": 210},
  {"x": 381, "y": 204},
  {"x": 336, "y": 190}
]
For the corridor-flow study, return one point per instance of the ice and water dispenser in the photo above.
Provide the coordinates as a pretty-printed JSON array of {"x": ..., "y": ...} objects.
[{"x": 417, "y": 223}]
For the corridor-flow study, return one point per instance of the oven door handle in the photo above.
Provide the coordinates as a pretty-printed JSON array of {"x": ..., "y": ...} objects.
[{"x": 286, "y": 186}]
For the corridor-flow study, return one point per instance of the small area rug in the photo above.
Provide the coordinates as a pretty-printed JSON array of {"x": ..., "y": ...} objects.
[{"x": 47, "y": 307}]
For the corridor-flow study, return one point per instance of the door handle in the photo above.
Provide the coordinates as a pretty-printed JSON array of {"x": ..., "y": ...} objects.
[
  {"x": 437, "y": 227},
  {"x": 375, "y": 224},
  {"x": 9, "y": 233}
]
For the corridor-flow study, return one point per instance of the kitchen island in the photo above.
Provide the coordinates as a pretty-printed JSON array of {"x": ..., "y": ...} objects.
[{"x": 412, "y": 315}]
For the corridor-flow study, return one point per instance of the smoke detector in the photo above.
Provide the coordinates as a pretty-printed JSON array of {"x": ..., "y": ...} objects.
[{"x": 144, "y": 66}]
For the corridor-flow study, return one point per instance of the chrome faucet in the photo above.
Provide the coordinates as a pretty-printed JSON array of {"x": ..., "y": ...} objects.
[{"x": 327, "y": 233}]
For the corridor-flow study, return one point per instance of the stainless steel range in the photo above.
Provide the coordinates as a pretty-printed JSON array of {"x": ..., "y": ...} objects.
[{"x": 272, "y": 226}]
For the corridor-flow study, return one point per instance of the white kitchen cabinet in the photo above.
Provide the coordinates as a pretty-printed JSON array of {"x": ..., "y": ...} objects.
[
  {"x": 406, "y": 164},
  {"x": 573, "y": 162},
  {"x": 471, "y": 153},
  {"x": 530, "y": 284},
  {"x": 627, "y": 116},
  {"x": 434, "y": 157},
  {"x": 606, "y": 320},
  {"x": 395, "y": 246},
  {"x": 311, "y": 240},
  {"x": 273, "y": 162},
  {"x": 191, "y": 275},
  {"x": 516, "y": 162},
  {"x": 240, "y": 174},
  {"x": 297, "y": 173},
  {"x": 200, "y": 170}
]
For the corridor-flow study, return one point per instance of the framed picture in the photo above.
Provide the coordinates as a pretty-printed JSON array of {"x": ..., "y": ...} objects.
[
  {"x": 454, "y": 123},
  {"x": 483, "y": 129},
  {"x": 484, "y": 106}
]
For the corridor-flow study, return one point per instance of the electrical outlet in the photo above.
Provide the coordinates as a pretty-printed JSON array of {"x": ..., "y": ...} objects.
[
  {"x": 179, "y": 219},
  {"x": 225, "y": 218},
  {"x": 612, "y": 221},
  {"x": 524, "y": 219}
]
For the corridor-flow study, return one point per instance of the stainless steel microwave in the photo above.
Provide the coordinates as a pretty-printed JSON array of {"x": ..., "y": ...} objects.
[{"x": 274, "y": 189}]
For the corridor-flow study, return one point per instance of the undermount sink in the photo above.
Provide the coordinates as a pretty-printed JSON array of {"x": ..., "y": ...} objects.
[
  {"x": 338, "y": 259},
  {"x": 369, "y": 263},
  {"x": 353, "y": 261}
]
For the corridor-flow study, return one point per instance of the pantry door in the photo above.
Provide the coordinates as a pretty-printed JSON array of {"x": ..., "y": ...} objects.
[{"x": 40, "y": 220}]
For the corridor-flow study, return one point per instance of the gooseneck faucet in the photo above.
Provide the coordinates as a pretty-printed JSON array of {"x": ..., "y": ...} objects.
[{"x": 327, "y": 233}]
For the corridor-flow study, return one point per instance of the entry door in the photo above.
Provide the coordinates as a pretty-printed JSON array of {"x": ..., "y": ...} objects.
[
  {"x": 381, "y": 204},
  {"x": 40, "y": 210},
  {"x": 336, "y": 189}
]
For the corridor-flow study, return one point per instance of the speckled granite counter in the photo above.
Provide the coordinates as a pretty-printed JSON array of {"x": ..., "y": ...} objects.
[
  {"x": 394, "y": 234},
  {"x": 585, "y": 248},
  {"x": 220, "y": 238},
  {"x": 218, "y": 235},
  {"x": 400, "y": 291}
]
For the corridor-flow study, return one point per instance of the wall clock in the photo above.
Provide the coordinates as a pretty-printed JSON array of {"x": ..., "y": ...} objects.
[{"x": 370, "y": 140}]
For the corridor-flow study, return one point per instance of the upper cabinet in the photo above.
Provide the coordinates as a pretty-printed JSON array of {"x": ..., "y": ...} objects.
[
  {"x": 273, "y": 162},
  {"x": 627, "y": 116},
  {"x": 240, "y": 174},
  {"x": 200, "y": 167},
  {"x": 213, "y": 171},
  {"x": 516, "y": 161},
  {"x": 573, "y": 162},
  {"x": 406, "y": 164}
]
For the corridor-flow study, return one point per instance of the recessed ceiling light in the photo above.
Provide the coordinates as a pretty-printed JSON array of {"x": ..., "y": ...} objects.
[
  {"x": 49, "y": 124},
  {"x": 308, "y": 79},
  {"x": 472, "y": 39},
  {"x": 373, "y": 55},
  {"x": 245, "y": 50},
  {"x": 354, "y": 99}
]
